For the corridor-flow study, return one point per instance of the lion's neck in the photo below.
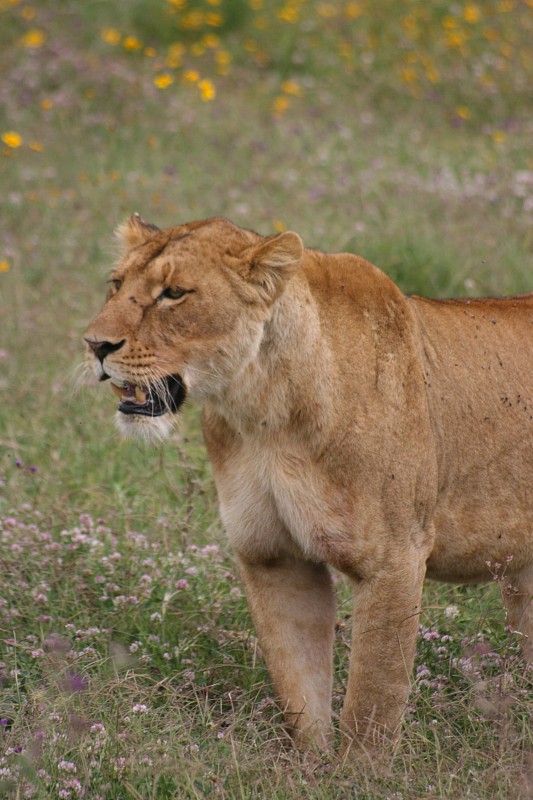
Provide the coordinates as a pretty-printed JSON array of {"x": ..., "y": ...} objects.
[{"x": 287, "y": 384}]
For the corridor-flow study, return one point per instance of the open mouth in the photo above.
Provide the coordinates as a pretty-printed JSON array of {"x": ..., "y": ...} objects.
[{"x": 152, "y": 400}]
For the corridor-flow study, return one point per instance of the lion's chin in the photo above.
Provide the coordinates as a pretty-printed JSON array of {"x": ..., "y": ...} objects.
[{"x": 149, "y": 429}]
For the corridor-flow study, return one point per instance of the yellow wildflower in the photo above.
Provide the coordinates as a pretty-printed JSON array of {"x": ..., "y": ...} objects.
[
  {"x": 163, "y": 80},
  {"x": 463, "y": 112},
  {"x": 36, "y": 147},
  {"x": 191, "y": 75},
  {"x": 281, "y": 104},
  {"x": 499, "y": 137},
  {"x": 408, "y": 75},
  {"x": 215, "y": 19},
  {"x": 279, "y": 225},
  {"x": 193, "y": 20},
  {"x": 131, "y": 43},
  {"x": 47, "y": 104},
  {"x": 27, "y": 13},
  {"x": 287, "y": 14},
  {"x": 291, "y": 87},
  {"x": 150, "y": 52},
  {"x": 5, "y": 266},
  {"x": 346, "y": 50},
  {"x": 455, "y": 39},
  {"x": 207, "y": 89},
  {"x": 353, "y": 10},
  {"x": 449, "y": 23},
  {"x": 211, "y": 40},
  {"x": 178, "y": 4},
  {"x": 471, "y": 13},
  {"x": 432, "y": 74},
  {"x": 222, "y": 57},
  {"x": 110, "y": 35},
  {"x": 197, "y": 49},
  {"x": 12, "y": 139},
  {"x": 409, "y": 24},
  {"x": 175, "y": 54},
  {"x": 506, "y": 50},
  {"x": 33, "y": 38},
  {"x": 223, "y": 60},
  {"x": 213, "y": 2}
]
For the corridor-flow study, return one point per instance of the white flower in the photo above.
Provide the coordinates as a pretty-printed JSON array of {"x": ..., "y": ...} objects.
[{"x": 451, "y": 612}]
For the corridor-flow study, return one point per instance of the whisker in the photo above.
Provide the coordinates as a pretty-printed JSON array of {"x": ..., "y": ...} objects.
[{"x": 79, "y": 376}]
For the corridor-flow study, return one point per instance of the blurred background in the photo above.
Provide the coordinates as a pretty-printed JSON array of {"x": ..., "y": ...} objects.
[{"x": 397, "y": 129}]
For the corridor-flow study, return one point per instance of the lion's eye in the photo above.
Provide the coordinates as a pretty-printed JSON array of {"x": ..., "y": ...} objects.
[
  {"x": 174, "y": 293},
  {"x": 114, "y": 285}
]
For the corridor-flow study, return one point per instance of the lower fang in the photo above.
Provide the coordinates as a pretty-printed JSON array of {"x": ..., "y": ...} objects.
[{"x": 140, "y": 396}]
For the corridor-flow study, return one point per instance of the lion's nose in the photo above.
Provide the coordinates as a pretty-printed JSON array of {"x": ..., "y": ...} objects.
[{"x": 103, "y": 349}]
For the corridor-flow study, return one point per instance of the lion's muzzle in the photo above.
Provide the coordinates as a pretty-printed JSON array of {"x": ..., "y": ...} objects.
[
  {"x": 146, "y": 398},
  {"x": 152, "y": 400}
]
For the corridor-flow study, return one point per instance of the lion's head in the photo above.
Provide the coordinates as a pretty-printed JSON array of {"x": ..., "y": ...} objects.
[{"x": 184, "y": 315}]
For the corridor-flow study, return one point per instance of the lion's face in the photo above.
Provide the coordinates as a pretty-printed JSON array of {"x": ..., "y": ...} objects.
[{"x": 184, "y": 315}]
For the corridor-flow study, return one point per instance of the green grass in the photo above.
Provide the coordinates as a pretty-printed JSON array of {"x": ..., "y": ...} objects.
[{"x": 114, "y": 672}]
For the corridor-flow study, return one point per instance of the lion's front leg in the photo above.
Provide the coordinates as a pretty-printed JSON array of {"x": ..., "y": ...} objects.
[
  {"x": 386, "y": 617},
  {"x": 293, "y": 608}
]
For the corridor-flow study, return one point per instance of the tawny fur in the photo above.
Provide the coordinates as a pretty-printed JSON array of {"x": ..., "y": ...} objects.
[{"x": 348, "y": 425}]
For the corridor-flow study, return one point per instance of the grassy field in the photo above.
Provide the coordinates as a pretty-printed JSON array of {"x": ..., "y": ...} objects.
[{"x": 129, "y": 667}]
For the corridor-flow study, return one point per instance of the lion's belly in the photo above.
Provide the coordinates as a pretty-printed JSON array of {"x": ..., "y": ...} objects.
[{"x": 481, "y": 529}]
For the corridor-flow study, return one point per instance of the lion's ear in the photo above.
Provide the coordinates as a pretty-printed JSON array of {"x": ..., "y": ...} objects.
[
  {"x": 135, "y": 231},
  {"x": 272, "y": 262}
]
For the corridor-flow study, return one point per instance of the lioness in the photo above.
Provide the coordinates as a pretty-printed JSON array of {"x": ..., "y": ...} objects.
[{"x": 348, "y": 425}]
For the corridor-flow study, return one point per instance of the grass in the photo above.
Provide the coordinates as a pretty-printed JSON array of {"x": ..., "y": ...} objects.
[{"x": 129, "y": 665}]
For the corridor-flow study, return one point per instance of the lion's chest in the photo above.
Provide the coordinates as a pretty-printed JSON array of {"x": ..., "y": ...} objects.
[{"x": 274, "y": 500}]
